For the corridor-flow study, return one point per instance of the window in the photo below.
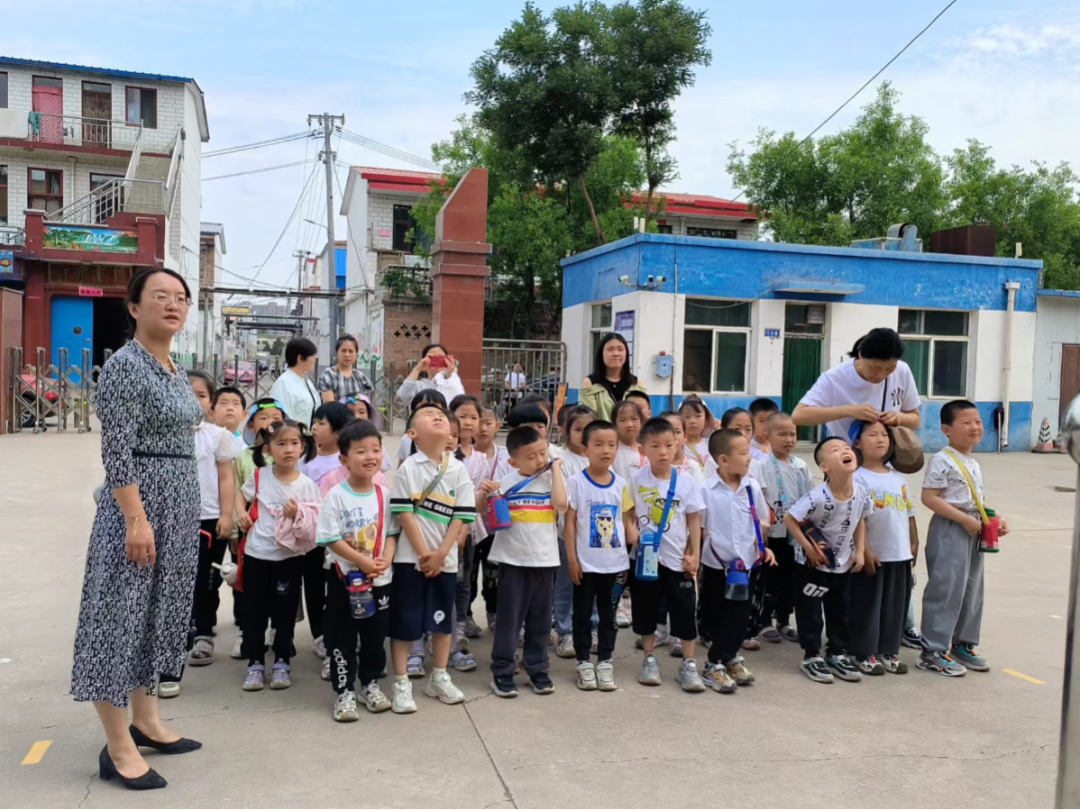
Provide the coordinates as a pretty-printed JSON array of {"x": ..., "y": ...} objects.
[
  {"x": 716, "y": 346},
  {"x": 663, "y": 229},
  {"x": 46, "y": 190},
  {"x": 599, "y": 326},
  {"x": 3, "y": 195},
  {"x": 403, "y": 224},
  {"x": 141, "y": 107},
  {"x": 3, "y": 91},
  {"x": 107, "y": 203},
  {"x": 713, "y": 233},
  {"x": 936, "y": 348}
]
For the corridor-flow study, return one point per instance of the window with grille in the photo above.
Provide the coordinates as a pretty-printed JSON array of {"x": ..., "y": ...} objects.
[
  {"x": 716, "y": 346},
  {"x": 936, "y": 348}
]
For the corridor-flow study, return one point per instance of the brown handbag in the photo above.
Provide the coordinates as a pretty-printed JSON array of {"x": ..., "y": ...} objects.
[{"x": 907, "y": 449}]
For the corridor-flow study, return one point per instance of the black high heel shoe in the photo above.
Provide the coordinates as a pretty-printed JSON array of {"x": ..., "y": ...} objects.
[
  {"x": 181, "y": 746},
  {"x": 151, "y": 780}
]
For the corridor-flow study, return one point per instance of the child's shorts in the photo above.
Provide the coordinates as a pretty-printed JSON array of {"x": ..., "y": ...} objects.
[
  {"x": 679, "y": 588},
  {"x": 420, "y": 604}
]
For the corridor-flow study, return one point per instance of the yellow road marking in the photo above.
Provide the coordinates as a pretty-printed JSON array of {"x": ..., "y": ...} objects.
[
  {"x": 1023, "y": 677},
  {"x": 37, "y": 751}
]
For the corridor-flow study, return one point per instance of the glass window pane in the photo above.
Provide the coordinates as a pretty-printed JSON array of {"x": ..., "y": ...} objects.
[
  {"x": 696, "y": 359},
  {"x": 3, "y": 90},
  {"x": 3, "y": 176},
  {"x": 917, "y": 356},
  {"x": 950, "y": 368},
  {"x": 37, "y": 181},
  {"x": 3, "y": 205},
  {"x": 910, "y": 322},
  {"x": 940, "y": 322},
  {"x": 94, "y": 87},
  {"x": 601, "y": 316},
  {"x": 53, "y": 183},
  {"x": 730, "y": 361},
  {"x": 133, "y": 115},
  {"x": 703, "y": 312},
  {"x": 149, "y": 108},
  {"x": 46, "y": 81}
]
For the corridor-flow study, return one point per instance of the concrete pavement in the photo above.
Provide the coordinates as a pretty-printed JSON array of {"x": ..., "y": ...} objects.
[{"x": 986, "y": 740}]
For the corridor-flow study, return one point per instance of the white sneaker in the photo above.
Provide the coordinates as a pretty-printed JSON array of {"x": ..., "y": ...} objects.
[
  {"x": 320, "y": 648},
  {"x": 565, "y": 647},
  {"x": 605, "y": 674},
  {"x": 663, "y": 637},
  {"x": 623, "y": 613},
  {"x": 374, "y": 699},
  {"x": 442, "y": 687},
  {"x": 403, "y": 702},
  {"x": 586, "y": 676},
  {"x": 238, "y": 643},
  {"x": 345, "y": 708}
]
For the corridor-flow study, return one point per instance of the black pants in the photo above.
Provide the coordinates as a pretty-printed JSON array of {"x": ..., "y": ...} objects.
[
  {"x": 315, "y": 589},
  {"x": 489, "y": 585},
  {"x": 878, "y": 609},
  {"x": 818, "y": 591},
  {"x": 724, "y": 619},
  {"x": 343, "y": 631},
  {"x": 679, "y": 588},
  {"x": 271, "y": 593},
  {"x": 463, "y": 596},
  {"x": 237, "y": 596},
  {"x": 757, "y": 602},
  {"x": 598, "y": 587},
  {"x": 208, "y": 580},
  {"x": 526, "y": 597},
  {"x": 779, "y": 584}
]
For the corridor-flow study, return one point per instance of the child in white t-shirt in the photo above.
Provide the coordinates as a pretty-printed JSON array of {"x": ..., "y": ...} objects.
[
  {"x": 833, "y": 514},
  {"x": 732, "y": 547},
  {"x": 596, "y": 553},
  {"x": 528, "y": 557},
  {"x": 626, "y": 416},
  {"x": 760, "y": 410},
  {"x": 784, "y": 478},
  {"x": 697, "y": 424},
  {"x": 679, "y": 552},
  {"x": 357, "y": 534},
  {"x": 879, "y": 594},
  {"x": 575, "y": 421},
  {"x": 496, "y": 466},
  {"x": 740, "y": 419}
]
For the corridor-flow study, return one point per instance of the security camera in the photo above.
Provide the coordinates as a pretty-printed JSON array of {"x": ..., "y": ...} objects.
[
  {"x": 624, "y": 279},
  {"x": 661, "y": 279},
  {"x": 651, "y": 279}
]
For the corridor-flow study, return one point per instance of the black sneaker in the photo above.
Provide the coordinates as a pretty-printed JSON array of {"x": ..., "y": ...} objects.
[
  {"x": 843, "y": 666},
  {"x": 504, "y": 686},
  {"x": 912, "y": 638},
  {"x": 542, "y": 684}
]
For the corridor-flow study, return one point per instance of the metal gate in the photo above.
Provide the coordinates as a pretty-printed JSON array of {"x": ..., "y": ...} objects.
[
  {"x": 41, "y": 391},
  {"x": 542, "y": 361}
]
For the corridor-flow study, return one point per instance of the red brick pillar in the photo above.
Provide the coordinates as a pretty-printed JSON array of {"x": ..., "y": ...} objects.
[{"x": 457, "y": 275}]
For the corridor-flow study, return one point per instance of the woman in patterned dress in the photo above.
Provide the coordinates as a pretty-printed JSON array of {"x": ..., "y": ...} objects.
[{"x": 143, "y": 554}]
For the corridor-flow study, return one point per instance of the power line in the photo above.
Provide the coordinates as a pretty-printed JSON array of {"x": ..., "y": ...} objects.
[
  {"x": 228, "y": 150},
  {"x": 390, "y": 151},
  {"x": 259, "y": 171},
  {"x": 871, "y": 79}
]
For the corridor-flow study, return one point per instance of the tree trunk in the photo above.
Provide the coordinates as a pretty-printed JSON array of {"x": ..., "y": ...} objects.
[
  {"x": 648, "y": 206},
  {"x": 592, "y": 211}
]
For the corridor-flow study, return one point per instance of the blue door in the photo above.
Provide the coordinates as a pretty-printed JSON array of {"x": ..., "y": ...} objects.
[{"x": 72, "y": 329}]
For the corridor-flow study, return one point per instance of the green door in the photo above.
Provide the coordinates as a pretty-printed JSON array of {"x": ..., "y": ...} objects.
[{"x": 802, "y": 366}]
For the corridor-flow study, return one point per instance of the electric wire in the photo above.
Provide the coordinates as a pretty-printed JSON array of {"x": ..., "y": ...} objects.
[
  {"x": 390, "y": 151},
  {"x": 229, "y": 150},
  {"x": 259, "y": 171}
]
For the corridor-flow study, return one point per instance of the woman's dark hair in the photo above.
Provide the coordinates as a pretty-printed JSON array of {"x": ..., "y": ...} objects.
[
  {"x": 466, "y": 399},
  {"x": 356, "y": 431},
  {"x": 424, "y": 351},
  {"x": 599, "y": 370},
  {"x": 299, "y": 349},
  {"x": 138, "y": 284},
  {"x": 335, "y": 414},
  {"x": 346, "y": 339},
  {"x": 266, "y": 435},
  {"x": 428, "y": 395},
  {"x": 881, "y": 343},
  {"x": 208, "y": 381}
]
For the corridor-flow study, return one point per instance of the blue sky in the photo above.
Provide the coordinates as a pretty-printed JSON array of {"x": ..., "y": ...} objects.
[{"x": 1003, "y": 72}]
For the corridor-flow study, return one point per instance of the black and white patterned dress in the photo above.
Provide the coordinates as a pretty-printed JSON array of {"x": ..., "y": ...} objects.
[{"x": 133, "y": 622}]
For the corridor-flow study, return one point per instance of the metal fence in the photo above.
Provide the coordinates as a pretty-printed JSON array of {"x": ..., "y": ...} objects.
[
  {"x": 42, "y": 391},
  {"x": 542, "y": 361}
]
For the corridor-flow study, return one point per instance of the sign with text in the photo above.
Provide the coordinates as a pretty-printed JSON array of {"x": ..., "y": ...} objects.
[
  {"x": 624, "y": 326},
  {"x": 89, "y": 238},
  {"x": 772, "y": 333},
  {"x": 91, "y": 292}
]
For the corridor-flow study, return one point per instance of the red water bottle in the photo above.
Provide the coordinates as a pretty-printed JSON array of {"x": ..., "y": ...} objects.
[{"x": 988, "y": 537}]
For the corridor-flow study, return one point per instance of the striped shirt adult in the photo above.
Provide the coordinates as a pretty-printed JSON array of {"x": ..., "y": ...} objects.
[{"x": 331, "y": 379}]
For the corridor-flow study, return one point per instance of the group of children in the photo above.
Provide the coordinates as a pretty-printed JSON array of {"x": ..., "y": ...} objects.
[{"x": 686, "y": 530}]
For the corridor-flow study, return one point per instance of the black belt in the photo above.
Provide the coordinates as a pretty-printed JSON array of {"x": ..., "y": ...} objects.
[{"x": 144, "y": 454}]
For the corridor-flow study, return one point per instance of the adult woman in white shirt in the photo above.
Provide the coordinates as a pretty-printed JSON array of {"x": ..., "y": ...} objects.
[
  {"x": 440, "y": 372},
  {"x": 855, "y": 389},
  {"x": 293, "y": 389}
]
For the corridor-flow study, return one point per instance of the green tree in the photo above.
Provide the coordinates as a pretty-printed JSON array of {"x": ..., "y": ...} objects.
[
  {"x": 850, "y": 185},
  {"x": 655, "y": 46}
]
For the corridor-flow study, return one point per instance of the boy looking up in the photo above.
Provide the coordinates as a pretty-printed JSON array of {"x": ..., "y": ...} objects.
[
  {"x": 953, "y": 597},
  {"x": 679, "y": 552},
  {"x": 828, "y": 524}
]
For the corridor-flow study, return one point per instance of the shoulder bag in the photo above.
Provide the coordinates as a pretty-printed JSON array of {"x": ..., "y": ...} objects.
[{"x": 498, "y": 515}]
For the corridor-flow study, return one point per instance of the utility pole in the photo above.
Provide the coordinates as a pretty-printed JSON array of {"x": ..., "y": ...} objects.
[
  {"x": 327, "y": 121},
  {"x": 301, "y": 261}
]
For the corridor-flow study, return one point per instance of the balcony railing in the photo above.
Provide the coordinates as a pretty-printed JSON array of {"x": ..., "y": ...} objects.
[
  {"x": 111, "y": 198},
  {"x": 10, "y": 235},
  {"x": 73, "y": 130}
]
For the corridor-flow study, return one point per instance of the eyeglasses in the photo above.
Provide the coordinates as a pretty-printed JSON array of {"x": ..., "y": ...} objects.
[{"x": 163, "y": 298}]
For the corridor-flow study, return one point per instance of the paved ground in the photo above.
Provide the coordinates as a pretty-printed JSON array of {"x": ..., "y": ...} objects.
[{"x": 986, "y": 740}]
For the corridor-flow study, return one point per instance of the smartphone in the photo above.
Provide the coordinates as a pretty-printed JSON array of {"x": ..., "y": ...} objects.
[{"x": 438, "y": 361}]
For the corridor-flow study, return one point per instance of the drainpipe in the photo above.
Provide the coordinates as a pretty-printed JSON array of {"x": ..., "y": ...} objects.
[{"x": 1006, "y": 374}]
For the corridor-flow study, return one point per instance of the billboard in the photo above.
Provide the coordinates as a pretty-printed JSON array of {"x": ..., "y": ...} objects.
[{"x": 89, "y": 238}]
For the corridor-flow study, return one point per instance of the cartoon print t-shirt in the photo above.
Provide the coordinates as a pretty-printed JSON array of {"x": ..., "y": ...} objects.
[
  {"x": 888, "y": 531},
  {"x": 835, "y": 519},
  {"x": 649, "y": 494},
  {"x": 354, "y": 517},
  {"x": 601, "y": 538}
]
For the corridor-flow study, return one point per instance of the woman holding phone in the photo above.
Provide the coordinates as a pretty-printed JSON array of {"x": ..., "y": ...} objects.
[{"x": 437, "y": 369}]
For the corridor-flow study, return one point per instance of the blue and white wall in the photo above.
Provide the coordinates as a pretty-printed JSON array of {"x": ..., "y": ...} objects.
[{"x": 867, "y": 288}]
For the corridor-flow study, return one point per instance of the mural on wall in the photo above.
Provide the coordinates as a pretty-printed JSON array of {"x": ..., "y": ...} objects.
[{"x": 80, "y": 237}]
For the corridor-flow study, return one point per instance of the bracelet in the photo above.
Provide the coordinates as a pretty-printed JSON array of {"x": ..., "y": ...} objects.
[{"x": 135, "y": 529}]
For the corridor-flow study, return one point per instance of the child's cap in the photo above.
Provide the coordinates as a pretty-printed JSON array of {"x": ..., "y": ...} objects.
[
  {"x": 373, "y": 413},
  {"x": 259, "y": 405},
  {"x": 526, "y": 415}
]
